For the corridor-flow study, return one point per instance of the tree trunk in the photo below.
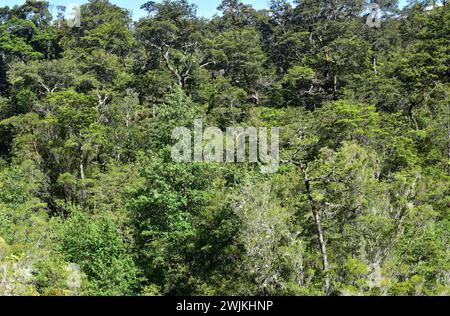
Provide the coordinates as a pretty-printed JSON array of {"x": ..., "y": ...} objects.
[
  {"x": 320, "y": 235},
  {"x": 82, "y": 175},
  {"x": 448, "y": 137},
  {"x": 448, "y": 148},
  {"x": 335, "y": 83}
]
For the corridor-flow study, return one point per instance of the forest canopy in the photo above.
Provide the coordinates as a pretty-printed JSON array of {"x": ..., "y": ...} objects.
[{"x": 91, "y": 202}]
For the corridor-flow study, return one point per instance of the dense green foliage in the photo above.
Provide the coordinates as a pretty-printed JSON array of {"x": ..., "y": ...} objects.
[{"x": 359, "y": 206}]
